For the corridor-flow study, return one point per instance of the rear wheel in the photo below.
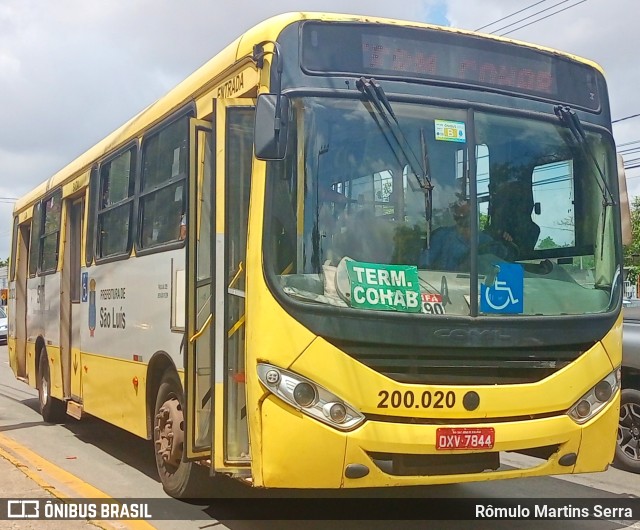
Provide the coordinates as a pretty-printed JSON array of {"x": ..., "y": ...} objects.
[
  {"x": 180, "y": 479},
  {"x": 52, "y": 409},
  {"x": 628, "y": 447}
]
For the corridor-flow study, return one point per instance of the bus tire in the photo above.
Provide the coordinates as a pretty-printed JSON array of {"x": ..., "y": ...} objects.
[
  {"x": 180, "y": 479},
  {"x": 627, "y": 455},
  {"x": 51, "y": 409}
]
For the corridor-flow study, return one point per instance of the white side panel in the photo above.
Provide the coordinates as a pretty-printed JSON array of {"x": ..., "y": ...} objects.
[{"x": 125, "y": 308}]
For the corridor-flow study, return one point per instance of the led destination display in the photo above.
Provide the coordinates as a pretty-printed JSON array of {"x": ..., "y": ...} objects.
[{"x": 443, "y": 56}]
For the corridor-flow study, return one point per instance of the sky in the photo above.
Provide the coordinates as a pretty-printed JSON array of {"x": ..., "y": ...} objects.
[{"x": 72, "y": 71}]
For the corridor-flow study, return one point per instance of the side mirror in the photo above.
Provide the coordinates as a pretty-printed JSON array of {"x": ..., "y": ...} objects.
[{"x": 272, "y": 127}]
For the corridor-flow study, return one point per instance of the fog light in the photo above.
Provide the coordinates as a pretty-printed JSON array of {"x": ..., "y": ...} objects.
[
  {"x": 335, "y": 411},
  {"x": 603, "y": 391},
  {"x": 304, "y": 394},
  {"x": 583, "y": 408}
]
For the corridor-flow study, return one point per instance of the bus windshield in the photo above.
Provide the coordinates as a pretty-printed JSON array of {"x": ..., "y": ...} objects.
[{"x": 350, "y": 225}]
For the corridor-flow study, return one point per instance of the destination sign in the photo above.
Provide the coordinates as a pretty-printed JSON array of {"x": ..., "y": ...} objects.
[
  {"x": 447, "y": 57},
  {"x": 384, "y": 287}
]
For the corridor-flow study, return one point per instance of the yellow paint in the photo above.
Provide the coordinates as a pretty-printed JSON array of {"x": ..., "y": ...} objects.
[
  {"x": 13, "y": 358},
  {"x": 235, "y": 84},
  {"x": 55, "y": 371},
  {"x": 57, "y": 481},
  {"x": 299, "y": 451},
  {"x": 612, "y": 343},
  {"x": 76, "y": 372},
  {"x": 31, "y": 364},
  {"x": 599, "y": 440},
  {"x": 236, "y": 327},
  {"x": 233, "y": 281},
  {"x": 204, "y": 327},
  {"x": 25, "y": 215},
  {"x": 218, "y": 431},
  {"x": 76, "y": 184},
  {"x": 108, "y": 391}
]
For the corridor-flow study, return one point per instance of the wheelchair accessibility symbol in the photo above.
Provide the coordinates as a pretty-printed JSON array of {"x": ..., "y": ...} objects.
[{"x": 505, "y": 293}]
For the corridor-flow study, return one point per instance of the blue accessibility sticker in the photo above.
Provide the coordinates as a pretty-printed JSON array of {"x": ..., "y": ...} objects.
[
  {"x": 85, "y": 286},
  {"x": 506, "y": 293}
]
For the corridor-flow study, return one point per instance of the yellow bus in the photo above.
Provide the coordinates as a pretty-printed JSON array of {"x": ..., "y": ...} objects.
[{"x": 346, "y": 252}]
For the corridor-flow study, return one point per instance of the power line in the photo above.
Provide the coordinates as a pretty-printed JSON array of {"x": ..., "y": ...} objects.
[
  {"x": 514, "y": 13},
  {"x": 543, "y": 18},
  {"x": 530, "y": 16},
  {"x": 629, "y": 143},
  {"x": 626, "y": 117}
]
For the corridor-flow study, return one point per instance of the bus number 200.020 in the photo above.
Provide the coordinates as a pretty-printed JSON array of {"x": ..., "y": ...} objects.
[{"x": 409, "y": 399}]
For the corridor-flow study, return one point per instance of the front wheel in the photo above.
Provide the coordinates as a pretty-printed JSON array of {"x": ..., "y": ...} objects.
[
  {"x": 627, "y": 454},
  {"x": 180, "y": 479},
  {"x": 51, "y": 409}
]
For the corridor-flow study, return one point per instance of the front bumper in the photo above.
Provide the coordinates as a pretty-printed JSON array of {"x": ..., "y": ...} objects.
[{"x": 298, "y": 452}]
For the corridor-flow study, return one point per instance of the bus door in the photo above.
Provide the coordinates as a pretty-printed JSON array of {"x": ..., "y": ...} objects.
[
  {"x": 234, "y": 132},
  {"x": 19, "y": 317},
  {"x": 217, "y": 236},
  {"x": 200, "y": 259},
  {"x": 70, "y": 297}
]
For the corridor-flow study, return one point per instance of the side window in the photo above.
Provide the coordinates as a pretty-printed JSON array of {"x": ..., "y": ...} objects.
[
  {"x": 91, "y": 216},
  {"x": 115, "y": 205},
  {"x": 34, "y": 243},
  {"x": 165, "y": 157},
  {"x": 14, "y": 250},
  {"x": 50, "y": 238}
]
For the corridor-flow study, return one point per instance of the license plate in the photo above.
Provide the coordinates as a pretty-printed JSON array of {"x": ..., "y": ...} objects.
[{"x": 465, "y": 438}]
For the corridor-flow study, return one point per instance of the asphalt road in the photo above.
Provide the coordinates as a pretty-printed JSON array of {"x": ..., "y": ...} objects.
[{"x": 103, "y": 458}]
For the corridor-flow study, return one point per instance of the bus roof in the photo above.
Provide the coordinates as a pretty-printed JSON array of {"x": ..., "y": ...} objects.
[{"x": 203, "y": 79}]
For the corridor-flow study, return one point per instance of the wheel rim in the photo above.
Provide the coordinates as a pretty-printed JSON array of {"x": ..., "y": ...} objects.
[
  {"x": 44, "y": 392},
  {"x": 169, "y": 435},
  {"x": 629, "y": 431}
]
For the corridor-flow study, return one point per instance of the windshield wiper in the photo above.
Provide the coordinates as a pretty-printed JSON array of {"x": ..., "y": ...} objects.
[
  {"x": 569, "y": 119},
  {"x": 374, "y": 93}
]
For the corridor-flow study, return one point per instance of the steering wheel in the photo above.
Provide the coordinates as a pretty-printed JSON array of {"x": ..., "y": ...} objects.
[{"x": 502, "y": 248}]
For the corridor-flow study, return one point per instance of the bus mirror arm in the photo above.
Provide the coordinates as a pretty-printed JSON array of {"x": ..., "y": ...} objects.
[{"x": 272, "y": 111}]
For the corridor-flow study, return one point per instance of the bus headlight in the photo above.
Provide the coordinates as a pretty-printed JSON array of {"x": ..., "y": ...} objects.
[
  {"x": 593, "y": 401},
  {"x": 309, "y": 397}
]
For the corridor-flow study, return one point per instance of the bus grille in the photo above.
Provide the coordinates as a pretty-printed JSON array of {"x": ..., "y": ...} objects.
[{"x": 456, "y": 366}]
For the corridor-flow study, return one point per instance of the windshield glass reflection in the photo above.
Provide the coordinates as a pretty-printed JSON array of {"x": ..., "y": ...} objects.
[{"x": 346, "y": 200}]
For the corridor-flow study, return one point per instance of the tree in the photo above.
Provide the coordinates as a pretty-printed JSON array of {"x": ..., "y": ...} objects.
[
  {"x": 632, "y": 251},
  {"x": 546, "y": 243},
  {"x": 4, "y": 262}
]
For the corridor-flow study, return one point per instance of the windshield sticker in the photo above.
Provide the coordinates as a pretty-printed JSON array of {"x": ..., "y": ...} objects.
[
  {"x": 384, "y": 287},
  {"x": 432, "y": 304},
  {"x": 506, "y": 292},
  {"x": 450, "y": 131}
]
